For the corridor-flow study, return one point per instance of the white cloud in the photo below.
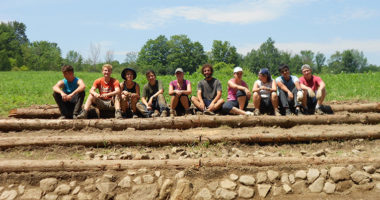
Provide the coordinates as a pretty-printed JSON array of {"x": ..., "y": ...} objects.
[
  {"x": 328, "y": 47},
  {"x": 242, "y": 12},
  {"x": 349, "y": 14}
]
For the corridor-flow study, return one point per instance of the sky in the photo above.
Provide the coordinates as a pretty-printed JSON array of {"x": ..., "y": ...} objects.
[{"x": 324, "y": 26}]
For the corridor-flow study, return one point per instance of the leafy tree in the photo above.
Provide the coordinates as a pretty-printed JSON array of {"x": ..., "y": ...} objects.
[
  {"x": 43, "y": 55},
  {"x": 307, "y": 57},
  {"x": 320, "y": 60},
  {"x": 154, "y": 54},
  {"x": 224, "y": 52},
  {"x": 349, "y": 61},
  {"x": 296, "y": 64},
  {"x": 74, "y": 59}
]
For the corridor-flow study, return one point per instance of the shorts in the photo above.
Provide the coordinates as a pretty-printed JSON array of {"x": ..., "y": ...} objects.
[
  {"x": 266, "y": 106},
  {"x": 104, "y": 104}
]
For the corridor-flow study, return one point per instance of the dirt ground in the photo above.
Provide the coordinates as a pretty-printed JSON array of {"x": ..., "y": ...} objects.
[{"x": 361, "y": 148}]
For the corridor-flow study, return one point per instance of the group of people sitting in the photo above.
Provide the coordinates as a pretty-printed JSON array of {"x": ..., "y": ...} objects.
[{"x": 286, "y": 95}]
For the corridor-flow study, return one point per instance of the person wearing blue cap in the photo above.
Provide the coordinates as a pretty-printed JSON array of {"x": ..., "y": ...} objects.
[
  {"x": 130, "y": 93},
  {"x": 264, "y": 94},
  {"x": 238, "y": 95}
]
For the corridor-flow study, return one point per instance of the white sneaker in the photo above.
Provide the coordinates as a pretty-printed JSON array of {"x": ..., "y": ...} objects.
[{"x": 249, "y": 113}]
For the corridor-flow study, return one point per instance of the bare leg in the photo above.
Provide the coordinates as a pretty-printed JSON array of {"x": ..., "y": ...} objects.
[
  {"x": 241, "y": 101},
  {"x": 124, "y": 103},
  {"x": 196, "y": 103},
  {"x": 218, "y": 105},
  {"x": 133, "y": 104},
  {"x": 256, "y": 100},
  {"x": 274, "y": 100},
  {"x": 320, "y": 101},
  {"x": 237, "y": 111},
  {"x": 185, "y": 102},
  {"x": 174, "y": 102}
]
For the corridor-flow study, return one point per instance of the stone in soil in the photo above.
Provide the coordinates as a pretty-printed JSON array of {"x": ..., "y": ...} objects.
[
  {"x": 369, "y": 169},
  {"x": 312, "y": 175},
  {"x": 301, "y": 174},
  {"x": 48, "y": 184},
  {"x": 8, "y": 195},
  {"x": 317, "y": 186},
  {"x": 246, "y": 192},
  {"x": 184, "y": 190},
  {"x": 339, "y": 174},
  {"x": 272, "y": 175},
  {"x": 261, "y": 177},
  {"x": 125, "y": 182},
  {"x": 32, "y": 194},
  {"x": 329, "y": 188},
  {"x": 62, "y": 189},
  {"x": 234, "y": 177},
  {"x": 165, "y": 189},
  {"x": 360, "y": 177},
  {"x": 342, "y": 186},
  {"x": 137, "y": 180},
  {"x": 203, "y": 194},
  {"x": 213, "y": 185},
  {"x": 247, "y": 180},
  {"x": 287, "y": 188},
  {"x": 148, "y": 179},
  {"x": 51, "y": 196},
  {"x": 263, "y": 189},
  {"x": 285, "y": 178},
  {"x": 277, "y": 190},
  {"x": 222, "y": 193},
  {"x": 106, "y": 187},
  {"x": 299, "y": 187},
  {"x": 227, "y": 184},
  {"x": 148, "y": 191}
]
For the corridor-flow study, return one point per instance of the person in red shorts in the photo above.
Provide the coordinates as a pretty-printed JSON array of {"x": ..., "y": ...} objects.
[
  {"x": 314, "y": 91},
  {"x": 108, "y": 96}
]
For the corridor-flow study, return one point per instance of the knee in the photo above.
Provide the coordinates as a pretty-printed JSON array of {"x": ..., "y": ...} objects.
[
  {"x": 193, "y": 98},
  {"x": 274, "y": 94}
]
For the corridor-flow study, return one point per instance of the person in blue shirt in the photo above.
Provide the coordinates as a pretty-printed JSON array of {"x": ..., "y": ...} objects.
[
  {"x": 69, "y": 94},
  {"x": 289, "y": 89}
]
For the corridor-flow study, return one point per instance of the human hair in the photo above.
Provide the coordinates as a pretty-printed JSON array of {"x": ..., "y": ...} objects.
[
  {"x": 150, "y": 71},
  {"x": 67, "y": 68},
  {"x": 108, "y": 66},
  {"x": 283, "y": 66},
  {"x": 208, "y": 66}
]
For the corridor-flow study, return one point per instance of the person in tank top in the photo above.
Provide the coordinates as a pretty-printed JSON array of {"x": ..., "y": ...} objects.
[{"x": 130, "y": 93}]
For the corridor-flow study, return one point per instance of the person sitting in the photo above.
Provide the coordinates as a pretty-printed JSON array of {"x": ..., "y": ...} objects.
[
  {"x": 69, "y": 94},
  {"x": 108, "y": 97},
  {"x": 130, "y": 93},
  {"x": 153, "y": 102},
  {"x": 315, "y": 90},
  {"x": 179, "y": 90},
  {"x": 238, "y": 95},
  {"x": 208, "y": 99},
  {"x": 288, "y": 90},
  {"x": 264, "y": 94}
]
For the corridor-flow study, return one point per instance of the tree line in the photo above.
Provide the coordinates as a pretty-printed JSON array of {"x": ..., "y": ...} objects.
[{"x": 164, "y": 55}]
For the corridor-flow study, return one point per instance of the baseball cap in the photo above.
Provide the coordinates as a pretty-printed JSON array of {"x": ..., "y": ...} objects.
[
  {"x": 238, "y": 69},
  {"x": 305, "y": 66},
  {"x": 178, "y": 70}
]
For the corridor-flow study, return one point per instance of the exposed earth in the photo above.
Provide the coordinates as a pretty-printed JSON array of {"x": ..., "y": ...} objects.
[{"x": 338, "y": 179}]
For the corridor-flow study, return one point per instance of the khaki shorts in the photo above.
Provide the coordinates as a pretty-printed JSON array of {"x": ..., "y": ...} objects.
[{"x": 104, "y": 104}]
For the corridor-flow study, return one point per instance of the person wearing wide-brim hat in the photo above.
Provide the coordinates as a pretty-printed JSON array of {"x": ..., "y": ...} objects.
[{"x": 130, "y": 93}]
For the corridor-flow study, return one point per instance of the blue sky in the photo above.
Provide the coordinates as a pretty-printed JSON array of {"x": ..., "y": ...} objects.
[{"x": 322, "y": 26}]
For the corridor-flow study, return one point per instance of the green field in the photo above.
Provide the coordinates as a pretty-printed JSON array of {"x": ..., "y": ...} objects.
[{"x": 22, "y": 89}]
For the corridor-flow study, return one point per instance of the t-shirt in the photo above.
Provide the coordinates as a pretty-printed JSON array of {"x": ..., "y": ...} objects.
[
  {"x": 232, "y": 91},
  {"x": 264, "y": 93},
  {"x": 289, "y": 84},
  {"x": 104, "y": 87},
  {"x": 175, "y": 84},
  {"x": 313, "y": 83},
  {"x": 149, "y": 90},
  {"x": 69, "y": 87},
  {"x": 209, "y": 88}
]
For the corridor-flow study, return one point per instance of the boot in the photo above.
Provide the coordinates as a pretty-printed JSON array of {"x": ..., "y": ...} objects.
[{"x": 83, "y": 115}]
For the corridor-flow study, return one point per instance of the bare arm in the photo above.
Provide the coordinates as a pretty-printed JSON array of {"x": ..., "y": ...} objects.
[{"x": 58, "y": 87}]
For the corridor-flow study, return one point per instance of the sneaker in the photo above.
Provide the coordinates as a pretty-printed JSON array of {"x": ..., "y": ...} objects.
[
  {"x": 288, "y": 112},
  {"x": 134, "y": 116},
  {"x": 156, "y": 114},
  {"x": 298, "y": 112},
  {"x": 248, "y": 113},
  {"x": 277, "y": 113},
  {"x": 62, "y": 117},
  {"x": 199, "y": 113},
  {"x": 172, "y": 113},
  {"x": 118, "y": 114},
  {"x": 82, "y": 115},
  {"x": 208, "y": 112},
  {"x": 256, "y": 112},
  {"x": 164, "y": 113},
  {"x": 319, "y": 111}
]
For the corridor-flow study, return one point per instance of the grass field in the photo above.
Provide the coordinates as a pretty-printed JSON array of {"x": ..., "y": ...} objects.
[{"x": 22, "y": 89}]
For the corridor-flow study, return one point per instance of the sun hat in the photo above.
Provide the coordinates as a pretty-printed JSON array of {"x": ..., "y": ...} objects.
[
  {"x": 178, "y": 70},
  {"x": 125, "y": 71},
  {"x": 237, "y": 69}
]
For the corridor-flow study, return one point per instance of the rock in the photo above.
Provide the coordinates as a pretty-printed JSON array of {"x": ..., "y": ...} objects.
[
  {"x": 184, "y": 190},
  {"x": 213, "y": 185},
  {"x": 317, "y": 186},
  {"x": 277, "y": 190},
  {"x": 375, "y": 177},
  {"x": 106, "y": 187},
  {"x": 48, "y": 184},
  {"x": 122, "y": 196},
  {"x": 343, "y": 185},
  {"x": 125, "y": 182},
  {"x": 292, "y": 179},
  {"x": 339, "y": 174},
  {"x": 272, "y": 175},
  {"x": 319, "y": 153},
  {"x": 247, "y": 180},
  {"x": 261, "y": 177},
  {"x": 360, "y": 177},
  {"x": 67, "y": 197},
  {"x": 351, "y": 168},
  {"x": 146, "y": 192},
  {"x": 21, "y": 189},
  {"x": 103, "y": 196},
  {"x": 234, "y": 177},
  {"x": 299, "y": 187},
  {"x": 222, "y": 193},
  {"x": 76, "y": 190},
  {"x": 110, "y": 177},
  {"x": 32, "y": 194},
  {"x": 165, "y": 189},
  {"x": 301, "y": 174},
  {"x": 142, "y": 171},
  {"x": 160, "y": 181},
  {"x": 51, "y": 196},
  {"x": 89, "y": 181},
  {"x": 329, "y": 188},
  {"x": 369, "y": 169},
  {"x": 312, "y": 175},
  {"x": 285, "y": 178},
  {"x": 203, "y": 194},
  {"x": 73, "y": 184},
  {"x": 84, "y": 196},
  {"x": 90, "y": 188},
  {"x": 157, "y": 173},
  {"x": 263, "y": 189},
  {"x": 176, "y": 150},
  {"x": 148, "y": 179},
  {"x": 179, "y": 175},
  {"x": 364, "y": 187},
  {"x": 227, "y": 184},
  {"x": 131, "y": 172},
  {"x": 287, "y": 188},
  {"x": 8, "y": 195},
  {"x": 62, "y": 189},
  {"x": 246, "y": 192},
  {"x": 137, "y": 180}
]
